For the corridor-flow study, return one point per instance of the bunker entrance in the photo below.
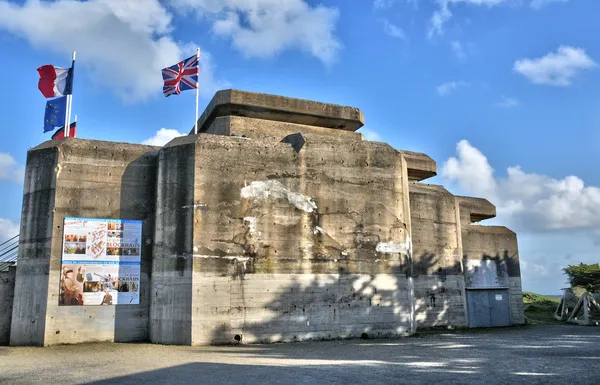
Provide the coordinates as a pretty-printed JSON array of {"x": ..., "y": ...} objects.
[{"x": 488, "y": 307}]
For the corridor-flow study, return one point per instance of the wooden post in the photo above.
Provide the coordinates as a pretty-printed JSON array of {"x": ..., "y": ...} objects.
[{"x": 586, "y": 309}]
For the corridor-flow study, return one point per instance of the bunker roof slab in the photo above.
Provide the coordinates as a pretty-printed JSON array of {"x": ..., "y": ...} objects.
[{"x": 280, "y": 108}]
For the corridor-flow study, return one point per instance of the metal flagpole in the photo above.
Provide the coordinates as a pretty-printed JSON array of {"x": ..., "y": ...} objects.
[
  {"x": 197, "y": 90},
  {"x": 67, "y": 112},
  {"x": 70, "y": 98},
  {"x": 68, "y": 120}
]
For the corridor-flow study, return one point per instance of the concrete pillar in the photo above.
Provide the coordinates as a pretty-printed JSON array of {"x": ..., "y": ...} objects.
[
  {"x": 7, "y": 289},
  {"x": 437, "y": 249},
  {"x": 79, "y": 178},
  {"x": 171, "y": 310}
]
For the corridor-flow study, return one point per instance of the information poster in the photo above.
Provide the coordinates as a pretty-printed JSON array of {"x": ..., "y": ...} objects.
[{"x": 100, "y": 262}]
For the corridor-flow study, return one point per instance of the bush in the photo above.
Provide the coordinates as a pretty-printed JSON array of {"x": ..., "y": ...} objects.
[{"x": 585, "y": 276}]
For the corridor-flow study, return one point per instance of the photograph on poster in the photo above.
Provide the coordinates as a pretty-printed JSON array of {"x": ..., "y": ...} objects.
[
  {"x": 100, "y": 262},
  {"x": 109, "y": 284}
]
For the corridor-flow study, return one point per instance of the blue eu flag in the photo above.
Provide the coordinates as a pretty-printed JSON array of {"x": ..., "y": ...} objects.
[{"x": 55, "y": 113}]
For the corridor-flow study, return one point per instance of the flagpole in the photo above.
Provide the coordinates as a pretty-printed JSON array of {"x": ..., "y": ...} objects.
[
  {"x": 197, "y": 90},
  {"x": 70, "y": 98},
  {"x": 68, "y": 120}
]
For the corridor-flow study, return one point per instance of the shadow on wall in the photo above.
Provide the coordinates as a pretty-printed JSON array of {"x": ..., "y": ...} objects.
[
  {"x": 138, "y": 197},
  {"x": 438, "y": 292},
  {"x": 331, "y": 307},
  {"x": 490, "y": 271}
]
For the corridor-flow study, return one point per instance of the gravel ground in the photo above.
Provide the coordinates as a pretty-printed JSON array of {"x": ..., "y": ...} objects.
[{"x": 540, "y": 354}]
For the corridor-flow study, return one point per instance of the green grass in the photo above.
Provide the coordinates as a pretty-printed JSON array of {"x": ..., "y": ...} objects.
[{"x": 540, "y": 307}]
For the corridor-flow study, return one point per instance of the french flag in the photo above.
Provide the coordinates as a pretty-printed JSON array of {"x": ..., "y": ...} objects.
[
  {"x": 60, "y": 133},
  {"x": 55, "y": 81}
]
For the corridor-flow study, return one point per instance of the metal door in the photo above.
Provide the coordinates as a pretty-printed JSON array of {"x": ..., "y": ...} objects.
[
  {"x": 488, "y": 308},
  {"x": 478, "y": 304},
  {"x": 499, "y": 308}
]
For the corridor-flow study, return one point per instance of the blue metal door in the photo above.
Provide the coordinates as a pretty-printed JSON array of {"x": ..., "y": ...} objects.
[
  {"x": 478, "y": 304},
  {"x": 488, "y": 308},
  {"x": 499, "y": 308}
]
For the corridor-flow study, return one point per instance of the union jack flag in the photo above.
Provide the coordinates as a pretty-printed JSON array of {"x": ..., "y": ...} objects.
[{"x": 181, "y": 77}]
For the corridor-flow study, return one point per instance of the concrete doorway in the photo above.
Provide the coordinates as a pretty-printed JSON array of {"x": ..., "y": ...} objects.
[{"x": 488, "y": 307}]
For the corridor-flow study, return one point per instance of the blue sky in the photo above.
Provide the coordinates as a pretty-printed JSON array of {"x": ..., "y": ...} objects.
[{"x": 501, "y": 93}]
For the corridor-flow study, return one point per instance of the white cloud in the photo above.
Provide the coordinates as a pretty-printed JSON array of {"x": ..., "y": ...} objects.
[
  {"x": 8, "y": 229},
  {"x": 123, "y": 43},
  {"x": 471, "y": 170},
  {"x": 264, "y": 28},
  {"x": 438, "y": 19},
  {"x": 10, "y": 169},
  {"x": 370, "y": 134},
  {"x": 506, "y": 102},
  {"x": 443, "y": 14},
  {"x": 162, "y": 137},
  {"x": 537, "y": 4},
  {"x": 555, "y": 68},
  {"x": 529, "y": 201},
  {"x": 446, "y": 88},
  {"x": 458, "y": 49},
  {"x": 393, "y": 30}
]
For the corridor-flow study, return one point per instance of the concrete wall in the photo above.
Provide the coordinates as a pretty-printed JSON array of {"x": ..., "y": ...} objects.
[
  {"x": 491, "y": 260},
  {"x": 419, "y": 166},
  {"x": 437, "y": 252},
  {"x": 171, "y": 306},
  {"x": 299, "y": 307},
  {"x": 79, "y": 178},
  {"x": 35, "y": 242},
  {"x": 7, "y": 289},
  {"x": 287, "y": 245},
  {"x": 451, "y": 254},
  {"x": 517, "y": 307},
  {"x": 277, "y": 223},
  {"x": 440, "y": 301}
]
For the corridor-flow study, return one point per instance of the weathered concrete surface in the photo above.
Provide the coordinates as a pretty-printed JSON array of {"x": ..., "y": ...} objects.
[
  {"x": 7, "y": 289},
  {"x": 419, "y": 166},
  {"x": 491, "y": 255},
  {"x": 524, "y": 355},
  {"x": 281, "y": 109},
  {"x": 474, "y": 210},
  {"x": 79, "y": 178},
  {"x": 277, "y": 223},
  {"x": 35, "y": 241},
  {"x": 437, "y": 252},
  {"x": 265, "y": 308},
  {"x": 439, "y": 301},
  {"x": 271, "y": 130},
  {"x": 496, "y": 243},
  {"x": 286, "y": 245},
  {"x": 437, "y": 244},
  {"x": 451, "y": 255},
  {"x": 171, "y": 306}
]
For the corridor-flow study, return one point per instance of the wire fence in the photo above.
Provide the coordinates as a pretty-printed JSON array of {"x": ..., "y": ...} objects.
[{"x": 9, "y": 250}]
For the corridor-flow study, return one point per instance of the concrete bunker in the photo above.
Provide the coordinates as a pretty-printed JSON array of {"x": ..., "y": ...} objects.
[{"x": 277, "y": 222}]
